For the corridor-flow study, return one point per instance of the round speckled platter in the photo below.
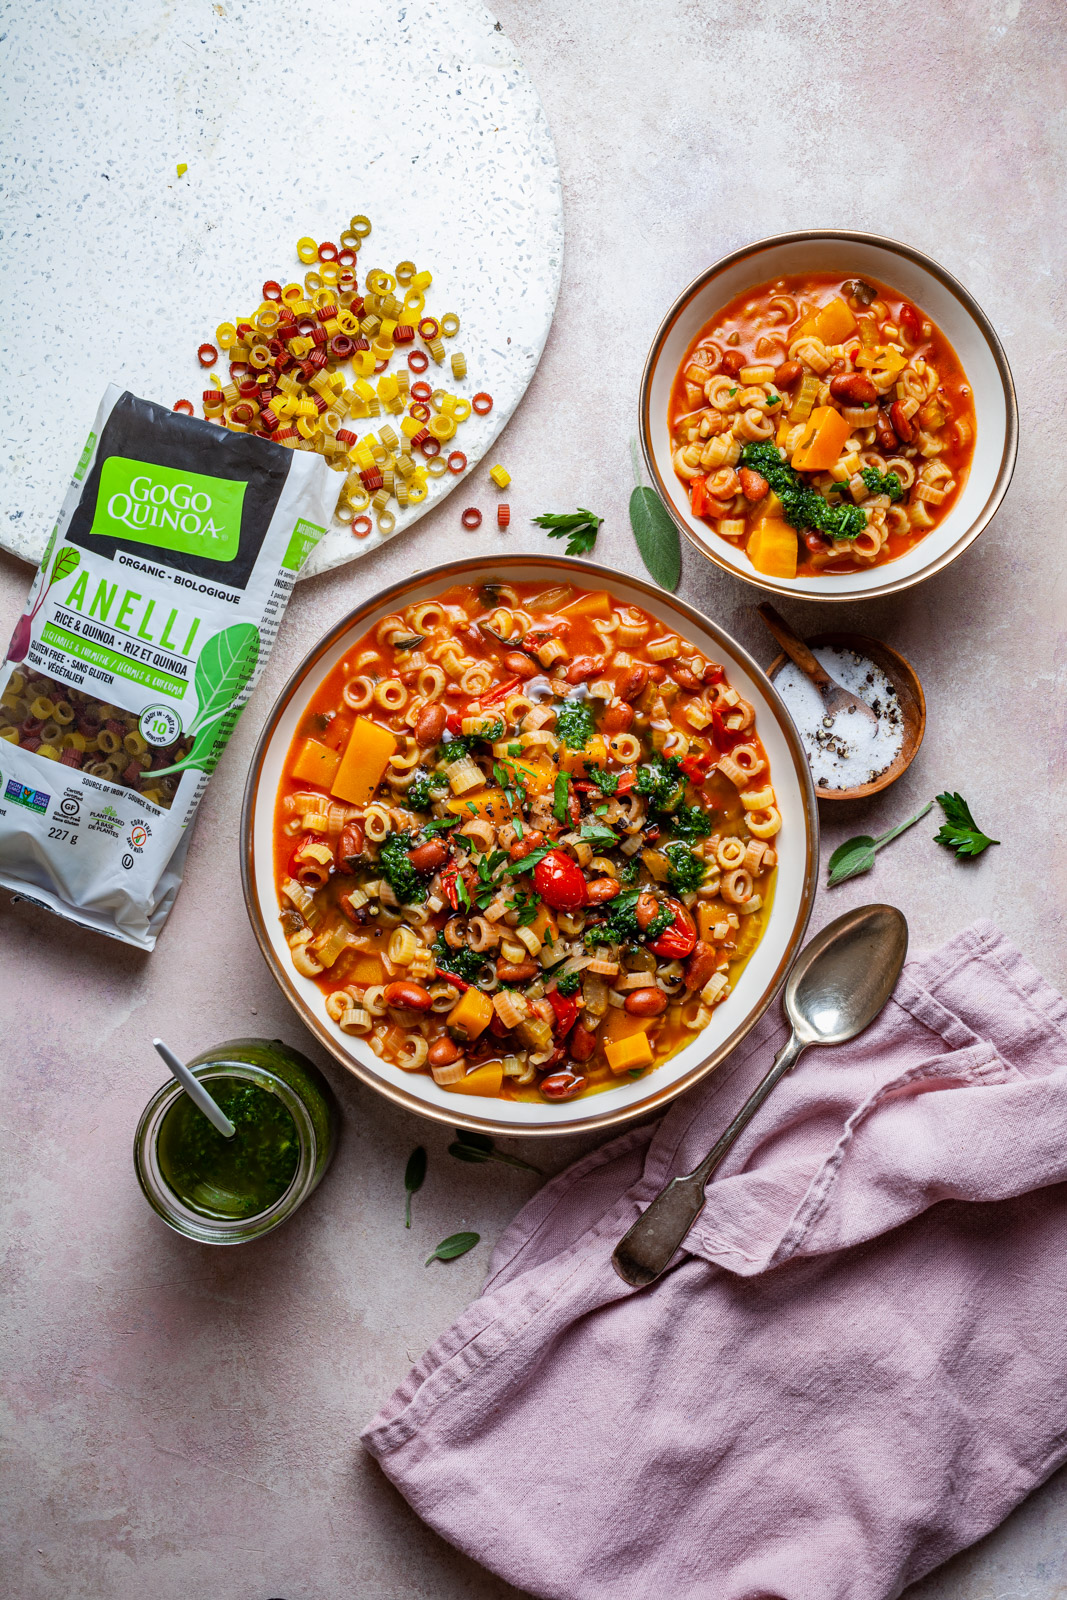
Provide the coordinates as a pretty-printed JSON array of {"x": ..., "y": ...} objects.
[{"x": 290, "y": 116}]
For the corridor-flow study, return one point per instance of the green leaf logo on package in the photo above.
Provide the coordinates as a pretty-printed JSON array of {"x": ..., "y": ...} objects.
[
  {"x": 157, "y": 505},
  {"x": 225, "y": 665}
]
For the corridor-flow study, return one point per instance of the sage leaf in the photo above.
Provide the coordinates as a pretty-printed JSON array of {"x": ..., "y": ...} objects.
[
  {"x": 655, "y": 532},
  {"x": 478, "y": 1147},
  {"x": 851, "y": 858},
  {"x": 414, "y": 1176},
  {"x": 457, "y": 1244},
  {"x": 857, "y": 855},
  {"x": 224, "y": 666}
]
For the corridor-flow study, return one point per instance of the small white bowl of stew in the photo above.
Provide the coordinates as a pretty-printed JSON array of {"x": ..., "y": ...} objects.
[
  {"x": 531, "y": 853},
  {"x": 829, "y": 415}
]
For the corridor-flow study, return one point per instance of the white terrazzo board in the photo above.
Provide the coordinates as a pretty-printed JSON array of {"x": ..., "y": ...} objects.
[{"x": 291, "y": 118}]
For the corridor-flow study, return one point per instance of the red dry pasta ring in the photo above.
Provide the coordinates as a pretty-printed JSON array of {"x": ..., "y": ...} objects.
[
  {"x": 328, "y": 251},
  {"x": 346, "y": 436},
  {"x": 457, "y": 462},
  {"x": 207, "y": 355},
  {"x": 421, "y": 391},
  {"x": 418, "y": 361},
  {"x": 420, "y": 411},
  {"x": 324, "y": 313},
  {"x": 361, "y": 526},
  {"x": 346, "y": 258},
  {"x": 429, "y": 446},
  {"x": 380, "y": 366},
  {"x": 185, "y": 407},
  {"x": 429, "y": 328},
  {"x": 212, "y": 398},
  {"x": 341, "y": 346},
  {"x": 482, "y": 403},
  {"x": 272, "y": 289},
  {"x": 503, "y": 514},
  {"x": 471, "y": 518}
]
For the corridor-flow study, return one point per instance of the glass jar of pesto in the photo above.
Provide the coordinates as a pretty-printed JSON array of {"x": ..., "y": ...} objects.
[{"x": 226, "y": 1191}]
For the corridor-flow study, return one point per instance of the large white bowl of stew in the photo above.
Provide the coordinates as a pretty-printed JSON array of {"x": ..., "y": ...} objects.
[
  {"x": 829, "y": 415},
  {"x": 531, "y": 853}
]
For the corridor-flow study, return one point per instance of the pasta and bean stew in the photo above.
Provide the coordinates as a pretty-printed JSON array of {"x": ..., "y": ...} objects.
[
  {"x": 525, "y": 840},
  {"x": 822, "y": 425}
]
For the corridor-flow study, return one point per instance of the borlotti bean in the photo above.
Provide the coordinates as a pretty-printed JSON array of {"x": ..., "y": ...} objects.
[{"x": 150, "y": 618}]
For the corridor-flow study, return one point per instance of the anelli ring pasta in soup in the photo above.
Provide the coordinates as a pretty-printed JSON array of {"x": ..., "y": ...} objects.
[
  {"x": 526, "y": 838},
  {"x": 822, "y": 424}
]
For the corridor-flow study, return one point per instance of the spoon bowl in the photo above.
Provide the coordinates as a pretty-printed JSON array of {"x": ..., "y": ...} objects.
[
  {"x": 844, "y": 976},
  {"x": 839, "y": 984}
]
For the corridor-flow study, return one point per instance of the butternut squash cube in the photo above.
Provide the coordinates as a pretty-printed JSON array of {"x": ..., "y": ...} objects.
[
  {"x": 471, "y": 1014},
  {"x": 820, "y": 444},
  {"x": 484, "y": 1080},
  {"x": 363, "y": 763},
  {"x": 578, "y": 762},
  {"x": 772, "y": 548},
  {"x": 490, "y": 803},
  {"x": 597, "y": 604},
  {"x": 832, "y": 324},
  {"x": 623, "y": 1055},
  {"x": 316, "y": 764}
]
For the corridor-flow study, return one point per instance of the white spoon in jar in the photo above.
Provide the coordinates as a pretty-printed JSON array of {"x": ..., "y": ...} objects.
[{"x": 196, "y": 1091}]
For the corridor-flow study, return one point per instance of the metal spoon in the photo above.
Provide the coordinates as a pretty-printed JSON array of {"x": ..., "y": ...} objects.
[
  {"x": 838, "y": 985},
  {"x": 833, "y": 696}
]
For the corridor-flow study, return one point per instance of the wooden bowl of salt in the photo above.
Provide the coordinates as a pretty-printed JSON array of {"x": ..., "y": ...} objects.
[{"x": 850, "y": 759}]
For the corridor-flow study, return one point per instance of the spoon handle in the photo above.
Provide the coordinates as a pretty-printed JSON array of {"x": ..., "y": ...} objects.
[
  {"x": 794, "y": 647},
  {"x": 646, "y": 1250}
]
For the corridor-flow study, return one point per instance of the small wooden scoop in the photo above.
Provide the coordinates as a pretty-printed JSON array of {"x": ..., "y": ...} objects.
[{"x": 834, "y": 698}]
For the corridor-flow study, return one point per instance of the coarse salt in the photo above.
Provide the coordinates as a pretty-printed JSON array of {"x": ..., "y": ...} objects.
[{"x": 846, "y": 751}]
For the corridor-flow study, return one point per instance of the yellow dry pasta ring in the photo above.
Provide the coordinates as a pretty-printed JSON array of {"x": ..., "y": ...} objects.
[
  {"x": 450, "y": 324},
  {"x": 358, "y": 498},
  {"x": 437, "y": 466},
  {"x": 459, "y": 365},
  {"x": 441, "y": 427},
  {"x": 291, "y": 293},
  {"x": 386, "y": 522},
  {"x": 414, "y": 303},
  {"x": 343, "y": 512},
  {"x": 313, "y": 281},
  {"x": 360, "y": 226},
  {"x": 379, "y": 282},
  {"x": 349, "y": 240},
  {"x": 405, "y": 271},
  {"x": 307, "y": 250},
  {"x": 417, "y": 492},
  {"x": 331, "y": 273},
  {"x": 225, "y": 335},
  {"x": 461, "y": 410}
]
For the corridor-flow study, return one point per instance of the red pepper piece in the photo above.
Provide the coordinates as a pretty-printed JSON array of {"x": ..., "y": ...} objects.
[
  {"x": 696, "y": 769},
  {"x": 725, "y": 738},
  {"x": 501, "y": 691},
  {"x": 453, "y": 722},
  {"x": 626, "y": 783},
  {"x": 448, "y": 884},
  {"x": 559, "y": 881},
  {"x": 450, "y": 977},
  {"x": 699, "y": 491},
  {"x": 679, "y": 940},
  {"x": 566, "y": 1009}
]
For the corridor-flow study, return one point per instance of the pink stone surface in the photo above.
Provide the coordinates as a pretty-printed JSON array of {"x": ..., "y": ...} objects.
[{"x": 181, "y": 1421}]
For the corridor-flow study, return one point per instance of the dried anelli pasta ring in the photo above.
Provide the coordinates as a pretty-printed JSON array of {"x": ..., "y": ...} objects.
[
  {"x": 471, "y": 518},
  {"x": 361, "y": 526},
  {"x": 482, "y": 403},
  {"x": 207, "y": 355},
  {"x": 457, "y": 463},
  {"x": 185, "y": 407},
  {"x": 418, "y": 361}
]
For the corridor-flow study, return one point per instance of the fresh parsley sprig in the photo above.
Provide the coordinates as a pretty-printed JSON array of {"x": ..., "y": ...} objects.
[
  {"x": 959, "y": 831},
  {"x": 579, "y": 528}
]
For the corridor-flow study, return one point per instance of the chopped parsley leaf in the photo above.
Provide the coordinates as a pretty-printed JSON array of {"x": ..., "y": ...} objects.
[{"x": 574, "y": 724}]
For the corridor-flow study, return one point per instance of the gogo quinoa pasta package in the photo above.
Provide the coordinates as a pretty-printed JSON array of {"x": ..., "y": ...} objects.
[{"x": 151, "y": 616}]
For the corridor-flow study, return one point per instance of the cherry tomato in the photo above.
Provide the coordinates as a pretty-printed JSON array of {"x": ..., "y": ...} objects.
[
  {"x": 910, "y": 321},
  {"x": 679, "y": 940},
  {"x": 558, "y": 880}
]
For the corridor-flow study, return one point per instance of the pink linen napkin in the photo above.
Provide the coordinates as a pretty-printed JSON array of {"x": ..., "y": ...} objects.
[{"x": 856, "y": 1367}]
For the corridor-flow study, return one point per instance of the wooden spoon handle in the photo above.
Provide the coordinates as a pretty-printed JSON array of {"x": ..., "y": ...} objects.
[{"x": 794, "y": 647}]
